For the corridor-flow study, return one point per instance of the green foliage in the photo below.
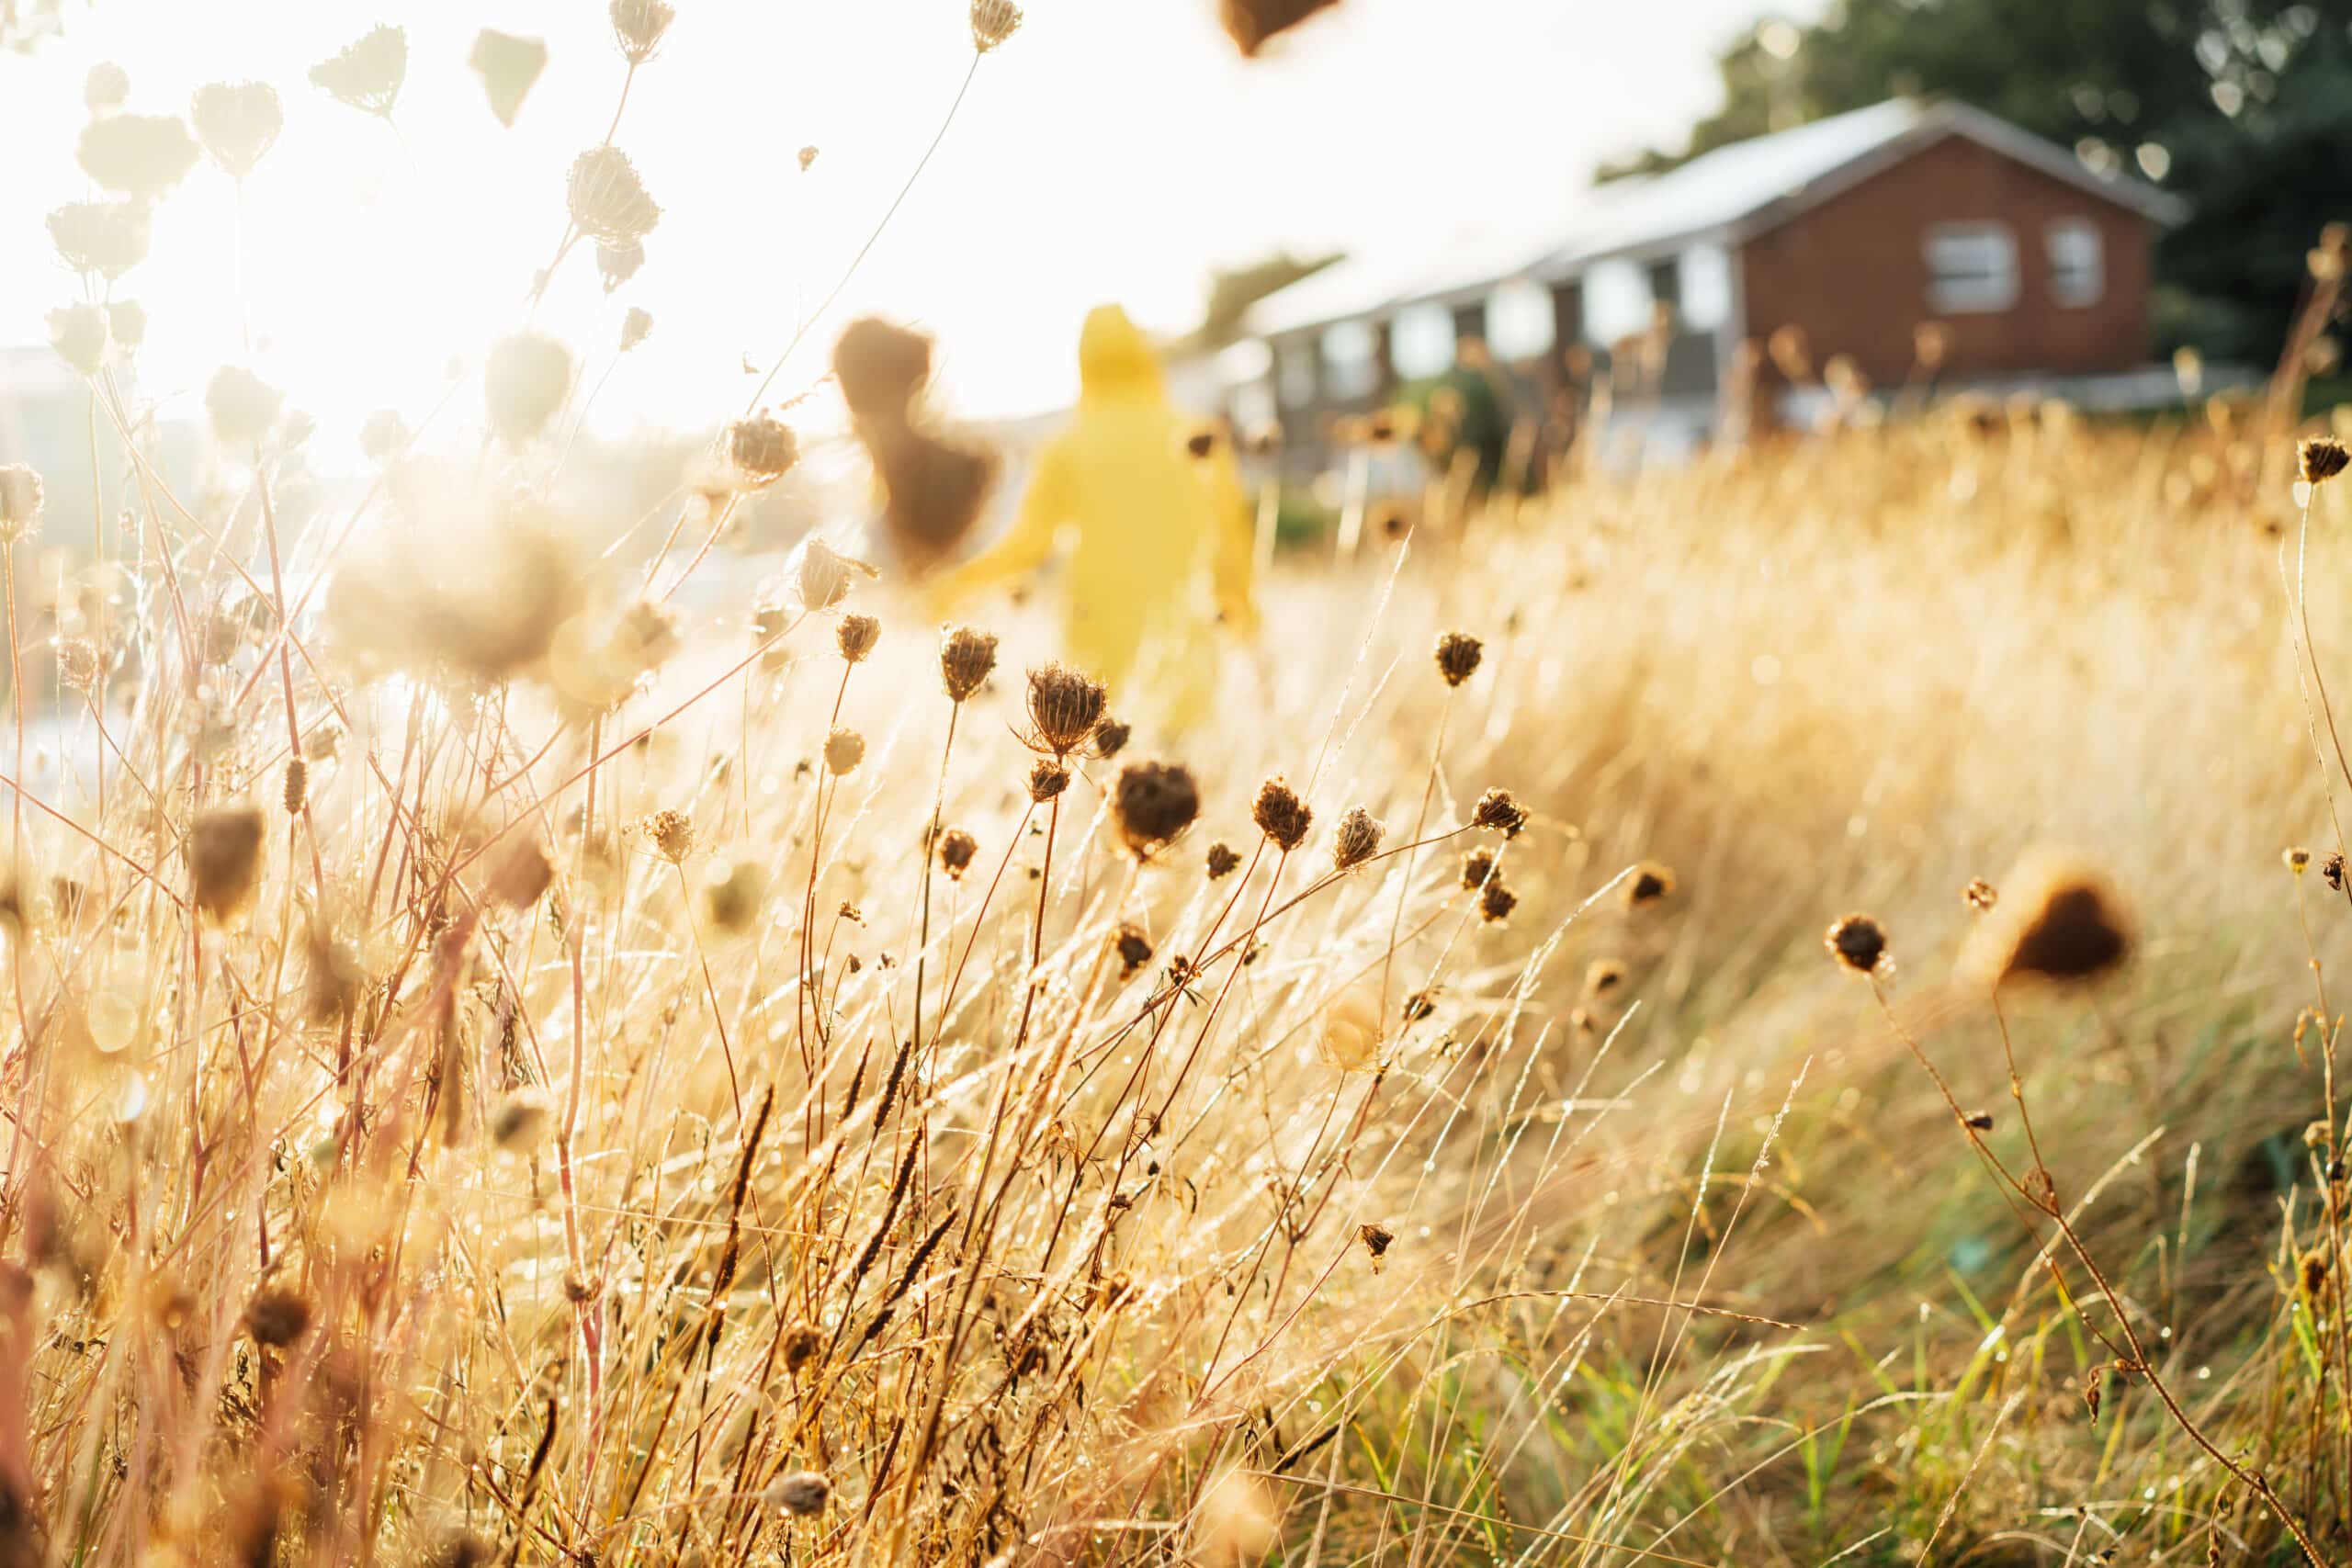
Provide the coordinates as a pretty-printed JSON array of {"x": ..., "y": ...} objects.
[
  {"x": 1232, "y": 290},
  {"x": 2243, "y": 107}
]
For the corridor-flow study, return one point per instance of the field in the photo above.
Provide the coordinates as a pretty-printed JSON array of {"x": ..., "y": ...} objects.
[
  {"x": 1779, "y": 1010},
  {"x": 505, "y": 1170}
]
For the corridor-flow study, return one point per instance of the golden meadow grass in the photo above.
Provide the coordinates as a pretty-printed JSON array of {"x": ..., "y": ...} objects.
[{"x": 503, "y": 1069}]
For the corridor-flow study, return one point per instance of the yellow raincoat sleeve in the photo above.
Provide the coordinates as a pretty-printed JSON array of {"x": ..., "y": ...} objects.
[
  {"x": 1234, "y": 548},
  {"x": 1045, "y": 508}
]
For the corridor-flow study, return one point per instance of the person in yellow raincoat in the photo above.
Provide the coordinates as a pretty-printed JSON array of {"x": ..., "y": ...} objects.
[{"x": 1149, "y": 516}]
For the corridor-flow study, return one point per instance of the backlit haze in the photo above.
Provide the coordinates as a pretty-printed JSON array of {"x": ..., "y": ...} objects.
[{"x": 1111, "y": 149}]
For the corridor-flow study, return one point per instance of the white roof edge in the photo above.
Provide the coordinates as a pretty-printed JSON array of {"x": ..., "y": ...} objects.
[{"x": 1934, "y": 121}]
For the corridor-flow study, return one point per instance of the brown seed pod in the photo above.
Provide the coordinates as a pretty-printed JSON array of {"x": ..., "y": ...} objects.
[
  {"x": 1153, "y": 803},
  {"x": 966, "y": 658},
  {"x": 1458, "y": 654},
  {"x": 2324, "y": 457},
  {"x": 1495, "y": 901},
  {"x": 856, "y": 635},
  {"x": 1497, "y": 810},
  {"x": 763, "y": 448},
  {"x": 1859, "y": 942},
  {"x": 2060, "y": 919},
  {"x": 1476, "y": 866},
  {"x": 1135, "y": 950},
  {"x": 1047, "y": 778},
  {"x": 224, "y": 852},
  {"x": 994, "y": 21},
  {"x": 1065, "y": 705},
  {"x": 1280, "y": 815},
  {"x": 844, "y": 749},
  {"x": 1222, "y": 861},
  {"x": 278, "y": 1317},
  {"x": 1650, "y": 883},
  {"x": 1356, "y": 839},
  {"x": 956, "y": 848}
]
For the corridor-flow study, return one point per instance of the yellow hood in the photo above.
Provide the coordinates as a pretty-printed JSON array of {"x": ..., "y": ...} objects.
[{"x": 1114, "y": 359}]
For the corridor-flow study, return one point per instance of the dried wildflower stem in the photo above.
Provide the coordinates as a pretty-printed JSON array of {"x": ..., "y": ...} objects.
[
  {"x": 2135, "y": 1356},
  {"x": 928, "y": 849},
  {"x": 1421, "y": 826},
  {"x": 710, "y": 991},
  {"x": 759, "y": 393}
]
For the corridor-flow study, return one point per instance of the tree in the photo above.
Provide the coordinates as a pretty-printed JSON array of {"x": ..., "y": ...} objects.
[
  {"x": 1232, "y": 290},
  {"x": 2240, "y": 105}
]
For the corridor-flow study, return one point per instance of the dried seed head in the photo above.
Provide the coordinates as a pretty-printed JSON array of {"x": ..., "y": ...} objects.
[
  {"x": 1153, "y": 803},
  {"x": 522, "y": 875},
  {"x": 823, "y": 577},
  {"x": 671, "y": 834},
  {"x": 1280, "y": 815},
  {"x": 1356, "y": 839},
  {"x": 297, "y": 792},
  {"x": 639, "y": 26},
  {"x": 2297, "y": 860},
  {"x": 81, "y": 335},
  {"x": 109, "y": 238},
  {"x": 856, "y": 635},
  {"x": 956, "y": 848},
  {"x": 242, "y": 405},
  {"x": 521, "y": 1121},
  {"x": 1222, "y": 861},
  {"x": 278, "y": 1317},
  {"x": 367, "y": 75},
  {"x": 138, "y": 155},
  {"x": 1495, "y": 901},
  {"x": 994, "y": 21},
  {"x": 2312, "y": 1272},
  {"x": 2324, "y": 457},
  {"x": 2332, "y": 868},
  {"x": 1135, "y": 950},
  {"x": 803, "y": 1493},
  {"x": 636, "y": 327},
  {"x": 525, "y": 380},
  {"x": 509, "y": 67},
  {"x": 1476, "y": 866},
  {"x": 802, "y": 1344},
  {"x": 1457, "y": 657},
  {"x": 225, "y": 859},
  {"x": 965, "y": 658},
  {"x": 1065, "y": 705},
  {"x": 79, "y": 663},
  {"x": 1109, "y": 739},
  {"x": 615, "y": 265},
  {"x": 2060, "y": 919},
  {"x": 731, "y": 898},
  {"x": 20, "y": 502},
  {"x": 1352, "y": 1030},
  {"x": 106, "y": 88},
  {"x": 1047, "y": 780},
  {"x": 880, "y": 367},
  {"x": 1265, "y": 439},
  {"x": 1650, "y": 883},
  {"x": 844, "y": 749},
  {"x": 762, "y": 449},
  {"x": 1859, "y": 942},
  {"x": 1499, "y": 810},
  {"x": 607, "y": 198},
  {"x": 1376, "y": 1238},
  {"x": 1931, "y": 344},
  {"x": 807, "y": 158},
  {"x": 238, "y": 123},
  {"x": 1979, "y": 894},
  {"x": 1201, "y": 443}
]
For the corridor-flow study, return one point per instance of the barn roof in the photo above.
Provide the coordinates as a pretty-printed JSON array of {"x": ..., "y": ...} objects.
[{"x": 1726, "y": 196}]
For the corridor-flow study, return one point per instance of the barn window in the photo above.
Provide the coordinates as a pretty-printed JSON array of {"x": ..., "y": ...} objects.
[
  {"x": 2078, "y": 262},
  {"x": 1972, "y": 267},
  {"x": 1420, "y": 342},
  {"x": 1350, "y": 360},
  {"x": 1520, "y": 322}
]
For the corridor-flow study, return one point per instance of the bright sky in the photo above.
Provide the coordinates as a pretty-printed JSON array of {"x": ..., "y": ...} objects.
[{"x": 1113, "y": 149}]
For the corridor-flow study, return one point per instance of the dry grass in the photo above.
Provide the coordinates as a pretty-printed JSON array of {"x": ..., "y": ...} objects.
[{"x": 501, "y": 1072}]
